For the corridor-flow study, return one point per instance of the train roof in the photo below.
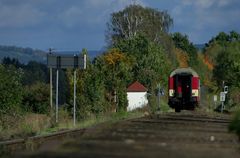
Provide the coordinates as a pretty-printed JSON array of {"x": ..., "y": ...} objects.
[{"x": 184, "y": 70}]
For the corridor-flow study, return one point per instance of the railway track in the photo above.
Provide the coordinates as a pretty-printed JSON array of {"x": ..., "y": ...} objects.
[{"x": 170, "y": 135}]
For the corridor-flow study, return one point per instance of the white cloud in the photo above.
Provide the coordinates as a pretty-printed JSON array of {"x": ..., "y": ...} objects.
[
  {"x": 92, "y": 12},
  {"x": 205, "y": 4},
  {"x": 200, "y": 18}
]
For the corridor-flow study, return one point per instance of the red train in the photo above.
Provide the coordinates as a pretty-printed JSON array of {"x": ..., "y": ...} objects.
[{"x": 183, "y": 89}]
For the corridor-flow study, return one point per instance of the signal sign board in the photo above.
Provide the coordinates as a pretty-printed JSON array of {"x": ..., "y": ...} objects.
[
  {"x": 222, "y": 96},
  {"x": 66, "y": 61}
]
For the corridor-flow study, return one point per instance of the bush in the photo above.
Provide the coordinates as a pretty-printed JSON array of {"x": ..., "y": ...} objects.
[
  {"x": 10, "y": 93},
  {"x": 36, "y": 98},
  {"x": 235, "y": 124}
]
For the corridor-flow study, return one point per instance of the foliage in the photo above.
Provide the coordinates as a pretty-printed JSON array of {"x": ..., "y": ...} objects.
[
  {"x": 113, "y": 73},
  {"x": 223, "y": 53},
  {"x": 182, "y": 57},
  {"x": 228, "y": 65},
  {"x": 235, "y": 124},
  {"x": 9, "y": 61},
  {"x": 137, "y": 20},
  {"x": 182, "y": 42},
  {"x": 91, "y": 92},
  {"x": 146, "y": 58},
  {"x": 218, "y": 44},
  {"x": 113, "y": 57},
  {"x": 34, "y": 72},
  {"x": 10, "y": 90},
  {"x": 36, "y": 98}
]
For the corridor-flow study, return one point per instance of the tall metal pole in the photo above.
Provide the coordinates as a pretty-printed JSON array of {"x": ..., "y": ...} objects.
[
  {"x": 158, "y": 95},
  {"x": 223, "y": 84},
  {"x": 57, "y": 96},
  {"x": 51, "y": 83},
  {"x": 51, "y": 91},
  {"x": 74, "y": 99},
  {"x": 222, "y": 107}
]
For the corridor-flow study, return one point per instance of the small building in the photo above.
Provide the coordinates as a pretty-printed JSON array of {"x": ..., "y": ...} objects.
[{"x": 137, "y": 96}]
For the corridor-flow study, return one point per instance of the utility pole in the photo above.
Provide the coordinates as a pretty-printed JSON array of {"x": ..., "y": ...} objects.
[
  {"x": 57, "y": 96},
  {"x": 51, "y": 83},
  {"x": 74, "y": 88},
  {"x": 223, "y": 96},
  {"x": 158, "y": 95},
  {"x": 74, "y": 98},
  {"x": 57, "y": 79}
]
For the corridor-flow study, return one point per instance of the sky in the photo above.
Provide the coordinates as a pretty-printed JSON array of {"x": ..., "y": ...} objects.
[{"x": 75, "y": 24}]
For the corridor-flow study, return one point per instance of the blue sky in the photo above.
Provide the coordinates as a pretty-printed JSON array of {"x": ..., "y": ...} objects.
[{"x": 77, "y": 24}]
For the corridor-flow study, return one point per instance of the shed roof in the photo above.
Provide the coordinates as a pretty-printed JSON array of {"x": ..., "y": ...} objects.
[
  {"x": 136, "y": 87},
  {"x": 184, "y": 70}
]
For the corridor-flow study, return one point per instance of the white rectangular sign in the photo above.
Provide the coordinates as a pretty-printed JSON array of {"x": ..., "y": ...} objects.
[
  {"x": 215, "y": 98},
  {"x": 222, "y": 96}
]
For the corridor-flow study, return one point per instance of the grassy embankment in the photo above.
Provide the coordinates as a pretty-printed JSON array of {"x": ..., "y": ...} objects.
[
  {"x": 37, "y": 124},
  {"x": 32, "y": 124}
]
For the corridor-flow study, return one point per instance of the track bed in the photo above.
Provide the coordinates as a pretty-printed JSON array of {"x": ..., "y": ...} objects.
[{"x": 187, "y": 134}]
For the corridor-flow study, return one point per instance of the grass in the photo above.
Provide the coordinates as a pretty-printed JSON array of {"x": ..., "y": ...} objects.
[
  {"x": 91, "y": 121},
  {"x": 36, "y": 124},
  {"x": 23, "y": 126}
]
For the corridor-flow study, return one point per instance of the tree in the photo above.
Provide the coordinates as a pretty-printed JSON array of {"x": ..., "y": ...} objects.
[
  {"x": 149, "y": 60},
  {"x": 182, "y": 42},
  {"x": 218, "y": 44},
  {"x": 36, "y": 98},
  {"x": 228, "y": 66},
  {"x": 234, "y": 36},
  {"x": 35, "y": 72},
  {"x": 182, "y": 57},
  {"x": 92, "y": 92},
  {"x": 137, "y": 20},
  {"x": 6, "y": 61},
  {"x": 11, "y": 90},
  {"x": 118, "y": 63}
]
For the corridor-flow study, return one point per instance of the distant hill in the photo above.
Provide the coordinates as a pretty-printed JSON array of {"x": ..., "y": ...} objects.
[
  {"x": 24, "y": 55},
  {"x": 91, "y": 53},
  {"x": 94, "y": 53},
  {"x": 199, "y": 46}
]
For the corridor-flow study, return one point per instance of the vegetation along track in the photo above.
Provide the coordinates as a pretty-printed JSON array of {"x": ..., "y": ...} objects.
[{"x": 185, "y": 134}]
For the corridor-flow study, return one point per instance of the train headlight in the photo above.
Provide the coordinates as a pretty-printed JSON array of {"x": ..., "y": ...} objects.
[
  {"x": 195, "y": 92},
  {"x": 171, "y": 92}
]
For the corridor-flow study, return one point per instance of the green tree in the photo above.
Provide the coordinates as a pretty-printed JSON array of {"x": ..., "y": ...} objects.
[
  {"x": 119, "y": 65},
  {"x": 182, "y": 42},
  {"x": 36, "y": 98},
  {"x": 135, "y": 20},
  {"x": 11, "y": 90},
  {"x": 35, "y": 72},
  {"x": 149, "y": 60},
  {"x": 91, "y": 90},
  {"x": 228, "y": 65}
]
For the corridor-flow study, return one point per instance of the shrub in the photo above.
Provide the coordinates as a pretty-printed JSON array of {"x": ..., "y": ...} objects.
[
  {"x": 36, "y": 98},
  {"x": 235, "y": 124}
]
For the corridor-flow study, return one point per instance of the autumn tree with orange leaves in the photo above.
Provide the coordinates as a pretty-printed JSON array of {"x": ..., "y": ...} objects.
[
  {"x": 118, "y": 63},
  {"x": 182, "y": 58}
]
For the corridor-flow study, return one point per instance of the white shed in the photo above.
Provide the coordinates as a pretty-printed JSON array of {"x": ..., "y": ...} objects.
[{"x": 137, "y": 96}]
